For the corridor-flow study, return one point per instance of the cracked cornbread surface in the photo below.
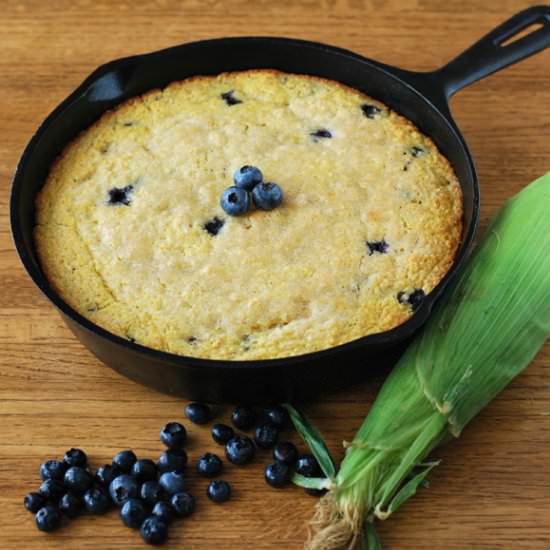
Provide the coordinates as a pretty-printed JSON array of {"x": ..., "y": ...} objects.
[{"x": 131, "y": 234}]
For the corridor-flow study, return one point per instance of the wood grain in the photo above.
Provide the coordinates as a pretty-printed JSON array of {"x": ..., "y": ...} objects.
[{"x": 492, "y": 488}]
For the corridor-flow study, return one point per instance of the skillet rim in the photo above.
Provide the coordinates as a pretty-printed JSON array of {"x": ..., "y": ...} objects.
[{"x": 412, "y": 80}]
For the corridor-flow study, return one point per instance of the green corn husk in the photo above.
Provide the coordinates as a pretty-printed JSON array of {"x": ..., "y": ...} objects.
[{"x": 484, "y": 332}]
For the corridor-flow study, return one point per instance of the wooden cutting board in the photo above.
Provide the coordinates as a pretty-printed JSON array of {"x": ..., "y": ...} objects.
[{"x": 492, "y": 489}]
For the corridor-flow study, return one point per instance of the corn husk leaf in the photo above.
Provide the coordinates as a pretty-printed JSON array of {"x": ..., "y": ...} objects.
[
  {"x": 409, "y": 488},
  {"x": 311, "y": 482},
  {"x": 370, "y": 537},
  {"x": 314, "y": 440}
]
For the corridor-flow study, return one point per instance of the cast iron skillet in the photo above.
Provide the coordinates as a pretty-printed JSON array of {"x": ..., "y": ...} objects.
[{"x": 421, "y": 97}]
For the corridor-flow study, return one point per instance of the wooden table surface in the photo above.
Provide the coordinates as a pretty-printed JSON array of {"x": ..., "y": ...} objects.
[{"x": 492, "y": 489}]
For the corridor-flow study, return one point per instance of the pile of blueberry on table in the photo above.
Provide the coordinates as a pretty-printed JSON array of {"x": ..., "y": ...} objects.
[{"x": 150, "y": 495}]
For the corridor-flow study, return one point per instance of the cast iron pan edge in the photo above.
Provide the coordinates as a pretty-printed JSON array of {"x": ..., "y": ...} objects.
[{"x": 297, "y": 376}]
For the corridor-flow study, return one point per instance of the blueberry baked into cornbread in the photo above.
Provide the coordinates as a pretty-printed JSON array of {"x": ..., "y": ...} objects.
[{"x": 130, "y": 230}]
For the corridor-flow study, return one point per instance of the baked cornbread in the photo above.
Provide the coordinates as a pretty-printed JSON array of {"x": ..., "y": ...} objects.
[{"x": 130, "y": 232}]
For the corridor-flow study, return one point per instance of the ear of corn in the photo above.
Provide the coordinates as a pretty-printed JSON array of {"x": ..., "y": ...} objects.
[{"x": 484, "y": 332}]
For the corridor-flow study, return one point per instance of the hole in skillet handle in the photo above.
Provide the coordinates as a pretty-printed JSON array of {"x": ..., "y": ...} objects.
[
  {"x": 522, "y": 35},
  {"x": 506, "y": 41},
  {"x": 526, "y": 32}
]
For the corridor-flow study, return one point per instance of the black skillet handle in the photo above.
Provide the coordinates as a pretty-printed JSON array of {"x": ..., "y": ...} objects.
[{"x": 489, "y": 55}]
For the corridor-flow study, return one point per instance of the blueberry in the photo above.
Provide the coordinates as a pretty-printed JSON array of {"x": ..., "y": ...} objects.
[
  {"x": 151, "y": 492},
  {"x": 213, "y": 226},
  {"x": 53, "y": 469},
  {"x": 34, "y": 501},
  {"x": 52, "y": 489},
  {"x": 209, "y": 465},
  {"x": 119, "y": 195},
  {"x": 75, "y": 457},
  {"x": 133, "y": 513},
  {"x": 307, "y": 465},
  {"x": 243, "y": 417},
  {"x": 124, "y": 461},
  {"x": 96, "y": 500},
  {"x": 277, "y": 415},
  {"x": 70, "y": 505},
  {"x": 230, "y": 98},
  {"x": 245, "y": 342},
  {"x": 153, "y": 530},
  {"x": 164, "y": 511},
  {"x": 144, "y": 469},
  {"x": 277, "y": 474},
  {"x": 172, "y": 460},
  {"x": 377, "y": 246},
  {"x": 183, "y": 504},
  {"x": 370, "y": 111},
  {"x": 198, "y": 413},
  {"x": 122, "y": 488},
  {"x": 285, "y": 452},
  {"x": 106, "y": 473},
  {"x": 266, "y": 436},
  {"x": 267, "y": 196},
  {"x": 173, "y": 435},
  {"x": 77, "y": 479},
  {"x": 413, "y": 299},
  {"x": 235, "y": 201},
  {"x": 321, "y": 133},
  {"x": 172, "y": 482},
  {"x": 218, "y": 490},
  {"x": 246, "y": 177},
  {"x": 221, "y": 433},
  {"x": 239, "y": 450},
  {"x": 48, "y": 518}
]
